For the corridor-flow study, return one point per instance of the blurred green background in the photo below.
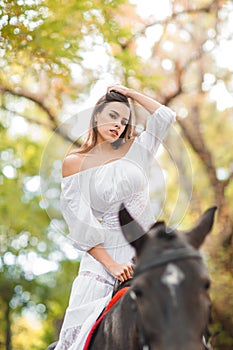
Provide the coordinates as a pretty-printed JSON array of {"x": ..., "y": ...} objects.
[{"x": 56, "y": 59}]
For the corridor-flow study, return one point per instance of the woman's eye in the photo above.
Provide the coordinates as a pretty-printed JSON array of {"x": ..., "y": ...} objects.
[{"x": 113, "y": 116}]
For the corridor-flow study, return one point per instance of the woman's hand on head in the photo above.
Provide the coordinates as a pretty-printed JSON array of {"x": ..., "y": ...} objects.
[
  {"x": 122, "y": 272},
  {"x": 119, "y": 88}
]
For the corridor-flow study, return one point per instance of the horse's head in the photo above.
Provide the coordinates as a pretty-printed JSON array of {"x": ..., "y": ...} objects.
[{"x": 170, "y": 285}]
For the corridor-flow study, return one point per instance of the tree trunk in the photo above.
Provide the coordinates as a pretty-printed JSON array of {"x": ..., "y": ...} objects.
[{"x": 219, "y": 246}]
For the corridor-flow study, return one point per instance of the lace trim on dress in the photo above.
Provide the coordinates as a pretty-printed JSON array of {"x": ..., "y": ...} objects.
[
  {"x": 68, "y": 337},
  {"x": 96, "y": 277}
]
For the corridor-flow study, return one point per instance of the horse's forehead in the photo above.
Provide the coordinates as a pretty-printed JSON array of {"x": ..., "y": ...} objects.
[
  {"x": 172, "y": 275},
  {"x": 157, "y": 245}
]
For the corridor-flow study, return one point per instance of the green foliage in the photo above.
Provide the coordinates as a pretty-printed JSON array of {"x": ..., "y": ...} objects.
[{"x": 23, "y": 228}]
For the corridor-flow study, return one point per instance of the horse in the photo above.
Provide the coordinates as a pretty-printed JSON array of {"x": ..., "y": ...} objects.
[{"x": 167, "y": 306}]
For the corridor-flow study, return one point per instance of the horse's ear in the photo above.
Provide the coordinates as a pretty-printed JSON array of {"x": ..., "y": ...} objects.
[
  {"x": 132, "y": 231},
  {"x": 197, "y": 234},
  {"x": 158, "y": 229}
]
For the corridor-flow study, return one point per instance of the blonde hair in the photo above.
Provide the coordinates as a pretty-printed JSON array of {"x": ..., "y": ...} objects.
[{"x": 91, "y": 139}]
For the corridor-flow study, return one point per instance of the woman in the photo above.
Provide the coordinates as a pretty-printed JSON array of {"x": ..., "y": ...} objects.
[{"x": 110, "y": 168}]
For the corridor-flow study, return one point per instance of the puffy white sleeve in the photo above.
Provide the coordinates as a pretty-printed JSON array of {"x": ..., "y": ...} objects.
[
  {"x": 157, "y": 126},
  {"x": 85, "y": 231}
]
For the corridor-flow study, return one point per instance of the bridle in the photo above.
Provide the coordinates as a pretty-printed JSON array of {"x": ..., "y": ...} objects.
[{"x": 168, "y": 256}]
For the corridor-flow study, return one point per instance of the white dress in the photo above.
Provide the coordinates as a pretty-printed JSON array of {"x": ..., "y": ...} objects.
[{"x": 90, "y": 202}]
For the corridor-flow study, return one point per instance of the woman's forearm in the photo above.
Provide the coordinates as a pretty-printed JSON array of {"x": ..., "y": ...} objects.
[
  {"x": 102, "y": 256},
  {"x": 147, "y": 102},
  {"x": 120, "y": 271}
]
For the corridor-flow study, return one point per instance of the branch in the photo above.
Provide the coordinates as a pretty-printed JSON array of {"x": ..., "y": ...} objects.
[
  {"x": 192, "y": 132},
  {"x": 180, "y": 72},
  {"x": 157, "y": 44},
  {"x": 174, "y": 94},
  {"x": 205, "y": 9},
  {"x": 31, "y": 97},
  {"x": 228, "y": 180},
  {"x": 53, "y": 128}
]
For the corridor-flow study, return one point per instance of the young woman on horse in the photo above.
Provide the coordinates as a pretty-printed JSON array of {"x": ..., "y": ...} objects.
[{"x": 110, "y": 168}]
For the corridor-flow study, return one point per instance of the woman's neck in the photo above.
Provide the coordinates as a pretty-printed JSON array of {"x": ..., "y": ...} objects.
[{"x": 102, "y": 147}]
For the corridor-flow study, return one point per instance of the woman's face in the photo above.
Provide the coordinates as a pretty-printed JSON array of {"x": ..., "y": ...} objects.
[{"x": 111, "y": 122}]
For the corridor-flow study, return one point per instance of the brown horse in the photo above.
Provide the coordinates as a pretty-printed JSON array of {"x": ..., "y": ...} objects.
[{"x": 167, "y": 306}]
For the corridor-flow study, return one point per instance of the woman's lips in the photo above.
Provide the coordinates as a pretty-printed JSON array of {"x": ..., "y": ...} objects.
[{"x": 114, "y": 132}]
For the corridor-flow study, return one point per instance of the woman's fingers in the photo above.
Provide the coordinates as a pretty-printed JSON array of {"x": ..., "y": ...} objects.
[
  {"x": 122, "y": 272},
  {"x": 120, "y": 88},
  {"x": 120, "y": 278},
  {"x": 131, "y": 269},
  {"x": 113, "y": 87},
  {"x": 127, "y": 272}
]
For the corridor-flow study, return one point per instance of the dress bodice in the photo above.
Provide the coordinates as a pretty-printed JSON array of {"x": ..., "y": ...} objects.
[{"x": 122, "y": 181}]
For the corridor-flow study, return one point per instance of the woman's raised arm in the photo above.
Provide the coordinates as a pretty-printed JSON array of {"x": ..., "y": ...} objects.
[{"x": 147, "y": 102}]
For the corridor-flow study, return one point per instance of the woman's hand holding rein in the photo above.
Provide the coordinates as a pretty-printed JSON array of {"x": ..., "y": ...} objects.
[{"x": 120, "y": 271}]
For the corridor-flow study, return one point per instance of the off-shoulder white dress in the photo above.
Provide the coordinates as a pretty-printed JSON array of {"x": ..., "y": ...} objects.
[{"x": 90, "y": 202}]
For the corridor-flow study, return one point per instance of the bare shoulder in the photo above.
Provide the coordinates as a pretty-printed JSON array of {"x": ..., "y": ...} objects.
[{"x": 72, "y": 163}]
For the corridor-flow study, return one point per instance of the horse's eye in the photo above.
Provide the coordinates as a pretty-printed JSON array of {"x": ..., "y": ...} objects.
[
  {"x": 138, "y": 292},
  {"x": 207, "y": 284}
]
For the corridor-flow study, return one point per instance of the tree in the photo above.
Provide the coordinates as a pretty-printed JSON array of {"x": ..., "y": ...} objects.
[
  {"x": 178, "y": 64},
  {"x": 185, "y": 53}
]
